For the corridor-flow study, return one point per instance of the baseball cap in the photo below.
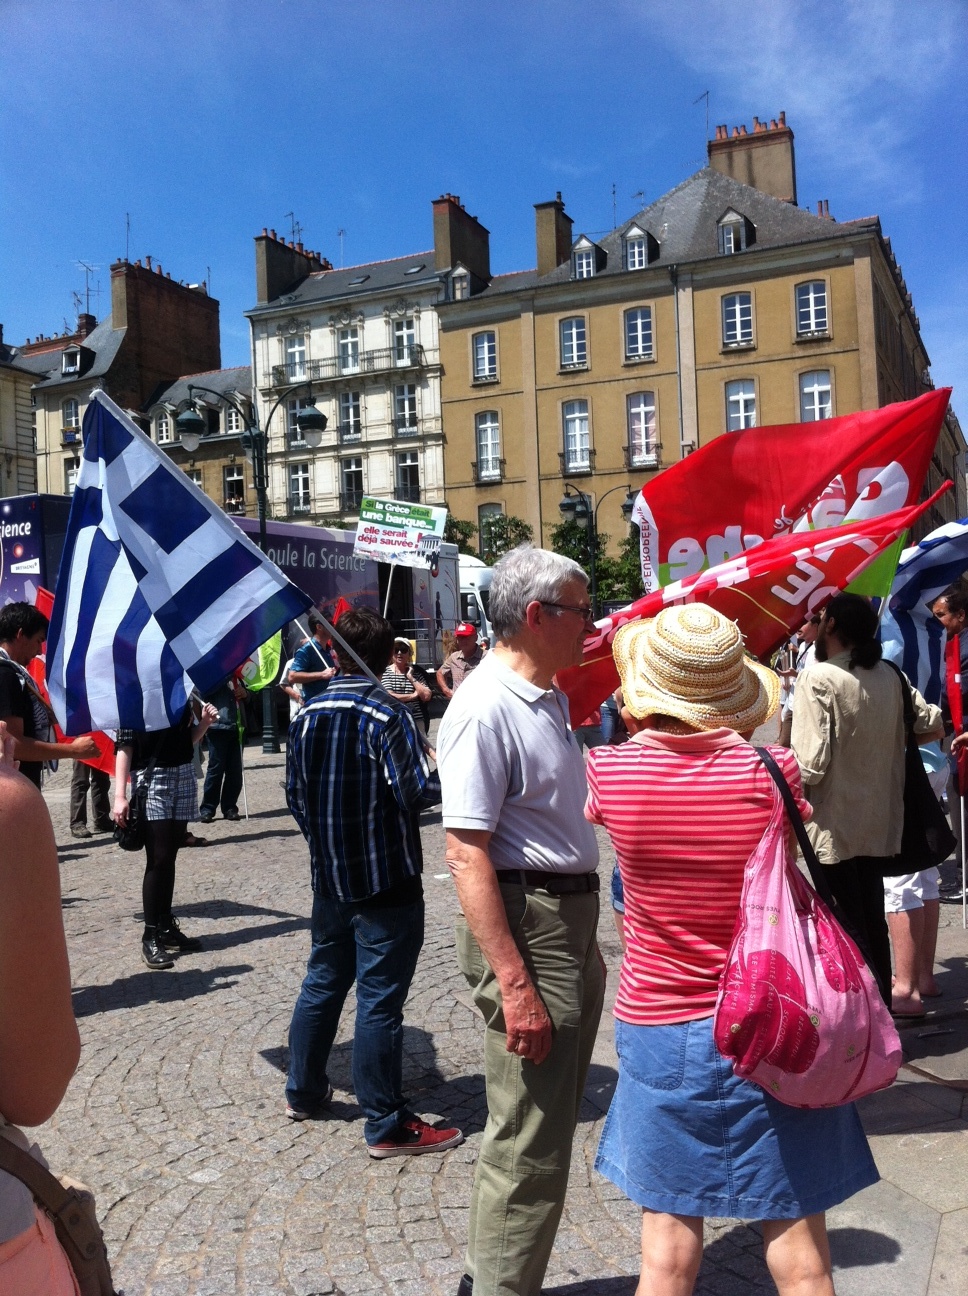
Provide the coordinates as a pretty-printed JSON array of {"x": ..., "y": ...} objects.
[{"x": 465, "y": 631}]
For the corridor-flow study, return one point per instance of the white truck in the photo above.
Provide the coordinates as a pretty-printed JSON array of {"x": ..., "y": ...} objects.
[{"x": 475, "y": 594}]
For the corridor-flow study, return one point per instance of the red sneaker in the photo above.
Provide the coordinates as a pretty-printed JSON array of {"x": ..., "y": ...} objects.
[{"x": 414, "y": 1137}]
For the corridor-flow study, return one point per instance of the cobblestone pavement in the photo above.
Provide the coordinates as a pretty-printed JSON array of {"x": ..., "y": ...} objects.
[{"x": 176, "y": 1114}]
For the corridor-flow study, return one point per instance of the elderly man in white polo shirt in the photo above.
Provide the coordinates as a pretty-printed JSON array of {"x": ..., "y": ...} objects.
[{"x": 524, "y": 862}]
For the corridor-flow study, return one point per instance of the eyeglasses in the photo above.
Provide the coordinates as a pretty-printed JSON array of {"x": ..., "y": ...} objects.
[{"x": 585, "y": 612}]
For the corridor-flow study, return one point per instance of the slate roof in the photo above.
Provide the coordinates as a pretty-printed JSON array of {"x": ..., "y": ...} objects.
[
  {"x": 685, "y": 223},
  {"x": 103, "y": 340},
  {"x": 375, "y": 278},
  {"x": 223, "y": 381}
]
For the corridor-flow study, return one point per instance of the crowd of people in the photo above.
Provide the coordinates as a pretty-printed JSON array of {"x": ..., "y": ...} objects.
[{"x": 677, "y": 786}]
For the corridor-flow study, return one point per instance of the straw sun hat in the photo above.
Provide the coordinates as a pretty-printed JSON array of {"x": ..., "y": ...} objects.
[{"x": 689, "y": 662}]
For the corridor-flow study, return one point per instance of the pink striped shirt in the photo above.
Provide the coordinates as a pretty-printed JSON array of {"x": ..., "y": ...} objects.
[{"x": 684, "y": 813}]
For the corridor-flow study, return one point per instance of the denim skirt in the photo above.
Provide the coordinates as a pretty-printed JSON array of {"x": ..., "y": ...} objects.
[{"x": 686, "y": 1136}]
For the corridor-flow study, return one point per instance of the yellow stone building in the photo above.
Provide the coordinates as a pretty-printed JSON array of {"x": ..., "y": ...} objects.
[{"x": 721, "y": 305}]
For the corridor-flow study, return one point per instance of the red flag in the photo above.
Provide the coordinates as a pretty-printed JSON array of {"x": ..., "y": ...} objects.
[
  {"x": 341, "y": 607},
  {"x": 104, "y": 760},
  {"x": 952, "y": 680},
  {"x": 768, "y": 592},
  {"x": 744, "y": 488}
]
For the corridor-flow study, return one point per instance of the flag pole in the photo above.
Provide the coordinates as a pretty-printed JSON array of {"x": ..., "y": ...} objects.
[{"x": 964, "y": 902}]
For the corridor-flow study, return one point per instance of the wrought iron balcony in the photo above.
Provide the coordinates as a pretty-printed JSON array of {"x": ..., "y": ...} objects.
[
  {"x": 573, "y": 466},
  {"x": 299, "y": 504},
  {"x": 350, "y": 500},
  {"x": 490, "y": 470},
  {"x": 639, "y": 458},
  {"x": 349, "y": 433},
  {"x": 235, "y": 506},
  {"x": 406, "y": 427},
  {"x": 339, "y": 368},
  {"x": 409, "y": 494}
]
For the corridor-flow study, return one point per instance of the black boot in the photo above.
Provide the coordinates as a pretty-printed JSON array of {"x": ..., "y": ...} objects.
[
  {"x": 173, "y": 939},
  {"x": 156, "y": 958},
  {"x": 466, "y": 1285}
]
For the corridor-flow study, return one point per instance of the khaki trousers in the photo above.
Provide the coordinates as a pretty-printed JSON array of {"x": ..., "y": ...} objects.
[{"x": 522, "y": 1169}]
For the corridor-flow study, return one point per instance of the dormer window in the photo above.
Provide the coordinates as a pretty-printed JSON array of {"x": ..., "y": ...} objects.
[
  {"x": 71, "y": 361},
  {"x": 460, "y": 285},
  {"x": 736, "y": 233},
  {"x": 163, "y": 427},
  {"x": 587, "y": 259}
]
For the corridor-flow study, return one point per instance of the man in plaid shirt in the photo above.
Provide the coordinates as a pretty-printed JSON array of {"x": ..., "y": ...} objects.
[{"x": 357, "y": 778}]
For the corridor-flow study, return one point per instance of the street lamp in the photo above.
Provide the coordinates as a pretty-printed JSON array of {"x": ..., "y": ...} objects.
[
  {"x": 577, "y": 507},
  {"x": 255, "y": 441}
]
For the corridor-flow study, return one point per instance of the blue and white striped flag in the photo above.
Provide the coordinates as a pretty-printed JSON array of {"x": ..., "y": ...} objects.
[
  {"x": 157, "y": 589},
  {"x": 910, "y": 634}
]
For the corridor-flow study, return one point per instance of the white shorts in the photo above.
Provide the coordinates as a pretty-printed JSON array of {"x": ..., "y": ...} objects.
[{"x": 910, "y": 890}]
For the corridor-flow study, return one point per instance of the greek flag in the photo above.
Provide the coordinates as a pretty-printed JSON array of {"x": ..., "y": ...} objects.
[
  {"x": 157, "y": 590},
  {"x": 910, "y": 634}
]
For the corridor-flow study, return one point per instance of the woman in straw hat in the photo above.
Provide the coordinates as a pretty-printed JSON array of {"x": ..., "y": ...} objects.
[{"x": 685, "y": 802}]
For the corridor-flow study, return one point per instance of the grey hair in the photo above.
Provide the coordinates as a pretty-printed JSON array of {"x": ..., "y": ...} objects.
[{"x": 527, "y": 575}]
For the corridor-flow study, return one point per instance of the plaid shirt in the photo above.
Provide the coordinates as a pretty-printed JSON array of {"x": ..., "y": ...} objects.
[{"x": 357, "y": 778}]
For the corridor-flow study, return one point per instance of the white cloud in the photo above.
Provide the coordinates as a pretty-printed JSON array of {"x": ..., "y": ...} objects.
[{"x": 855, "y": 73}]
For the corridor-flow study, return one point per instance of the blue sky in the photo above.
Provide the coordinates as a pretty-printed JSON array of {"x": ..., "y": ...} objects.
[{"x": 205, "y": 120}]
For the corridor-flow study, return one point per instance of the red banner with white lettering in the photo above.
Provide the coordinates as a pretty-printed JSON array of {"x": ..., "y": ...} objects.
[
  {"x": 744, "y": 488},
  {"x": 768, "y": 592}
]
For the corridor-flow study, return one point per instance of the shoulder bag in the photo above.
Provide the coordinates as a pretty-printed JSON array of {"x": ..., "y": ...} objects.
[
  {"x": 927, "y": 839},
  {"x": 799, "y": 1012},
  {"x": 133, "y": 835},
  {"x": 71, "y": 1207}
]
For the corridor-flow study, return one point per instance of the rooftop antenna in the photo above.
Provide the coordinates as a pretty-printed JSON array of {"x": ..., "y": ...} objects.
[
  {"x": 295, "y": 229},
  {"x": 639, "y": 196},
  {"x": 704, "y": 95},
  {"x": 208, "y": 281},
  {"x": 127, "y": 236},
  {"x": 614, "y": 216},
  {"x": 341, "y": 234},
  {"x": 88, "y": 271}
]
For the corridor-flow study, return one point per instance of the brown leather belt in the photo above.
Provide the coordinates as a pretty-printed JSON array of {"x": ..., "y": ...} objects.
[{"x": 554, "y": 883}]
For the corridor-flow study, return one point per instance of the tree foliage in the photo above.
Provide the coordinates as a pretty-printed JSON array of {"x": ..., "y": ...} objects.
[
  {"x": 459, "y": 533},
  {"x": 618, "y": 579},
  {"x": 501, "y": 533}
]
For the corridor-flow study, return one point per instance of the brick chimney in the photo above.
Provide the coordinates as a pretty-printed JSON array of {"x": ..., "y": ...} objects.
[
  {"x": 279, "y": 265},
  {"x": 763, "y": 158},
  {"x": 460, "y": 239},
  {"x": 552, "y": 234}
]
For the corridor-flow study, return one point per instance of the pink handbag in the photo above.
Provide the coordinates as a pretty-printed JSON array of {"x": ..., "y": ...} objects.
[{"x": 799, "y": 1012}]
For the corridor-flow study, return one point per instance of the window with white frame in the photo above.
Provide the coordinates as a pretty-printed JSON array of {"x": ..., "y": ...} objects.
[
  {"x": 233, "y": 419},
  {"x": 296, "y": 356},
  {"x": 348, "y": 344},
  {"x": 735, "y": 233},
  {"x": 636, "y": 253},
  {"x": 487, "y": 430},
  {"x": 811, "y": 308},
  {"x": 71, "y": 469},
  {"x": 163, "y": 427},
  {"x": 351, "y": 482},
  {"x": 293, "y": 434},
  {"x": 404, "y": 341},
  {"x": 70, "y": 415},
  {"x": 299, "y": 498},
  {"x": 233, "y": 488},
  {"x": 584, "y": 263},
  {"x": 194, "y": 475},
  {"x": 815, "y": 396},
  {"x": 638, "y": 333},
  {"x": 574, "y": 342},
  {"x": 460, "y": 287},
  {"x": 738, "y": 319},
  {"x": 486, "y": 514},
  {"x": 643, "y": 447},
  {"x": 71, "y": 361},
  {"x": 574, "y": 416},
  {"x": 408, "y": 476},
  {"x": 405, "y": 406},
  {"x": 350, "y": 416},
  {"x": 484, "y": 349},
  {"x": 740, "y": 404}
]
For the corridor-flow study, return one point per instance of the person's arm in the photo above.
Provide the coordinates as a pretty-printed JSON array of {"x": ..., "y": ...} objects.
[
  {"x": 122, "y": 770},
  {"x": 39, "y": 1042},
  {"x": 927, "y": 720},
  {"x": 32, "y": 749},
  {"x": 442, "y": 675},
  {"x": 209, "y": 715},
  {"x": 407, "y": 768},
  {"x": 299, "y": 675},
  {"x": 810, "y": 735},
  {"x": 421, "y": 687},
  {"x": 526, "y": 1019}
]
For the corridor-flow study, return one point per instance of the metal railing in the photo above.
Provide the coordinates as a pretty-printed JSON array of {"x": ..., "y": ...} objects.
[
  {"x": 383, "y": 360},
  {"x": 409, "y": 494},
  {"x": 491, "y": 470},
  {"x": 406, "y": 427},
  {"x": 348, "y": 433},
  {"x": 350, "y": 501},
  {"x": 234, "y": 506},
  {"x": 634, "y": 458},
  {"x": 571, "y": 466},
  {"x": 299, "y": 504}
]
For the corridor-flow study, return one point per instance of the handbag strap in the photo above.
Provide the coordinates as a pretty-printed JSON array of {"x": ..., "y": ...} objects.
[
  {"x": 817, "y": 875},
  {"x": 906, "y": 695}
]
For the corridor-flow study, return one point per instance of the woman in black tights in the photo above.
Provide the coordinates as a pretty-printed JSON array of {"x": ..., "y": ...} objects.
[{"x": 172, "y": 805}]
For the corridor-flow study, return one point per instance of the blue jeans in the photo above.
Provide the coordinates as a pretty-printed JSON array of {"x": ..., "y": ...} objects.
[
  {"x": 223, "y": 778},
  {"x": 377, "y": 947}
]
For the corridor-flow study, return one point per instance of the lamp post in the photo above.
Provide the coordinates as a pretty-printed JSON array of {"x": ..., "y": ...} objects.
[
  {"x": 577, "y": 507},
  {"x": 255, "y": 441}
]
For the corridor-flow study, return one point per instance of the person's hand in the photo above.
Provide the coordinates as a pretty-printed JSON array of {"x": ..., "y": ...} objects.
[
  {"x": 527, "y": 1024},
  {"x": 84, "y": 749},
  {"x": 209, "y": 713},
  {"x": 959, "y": 741},
  {"x": 8, "y": 745},
  {"x": 120, "y": 811}
]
